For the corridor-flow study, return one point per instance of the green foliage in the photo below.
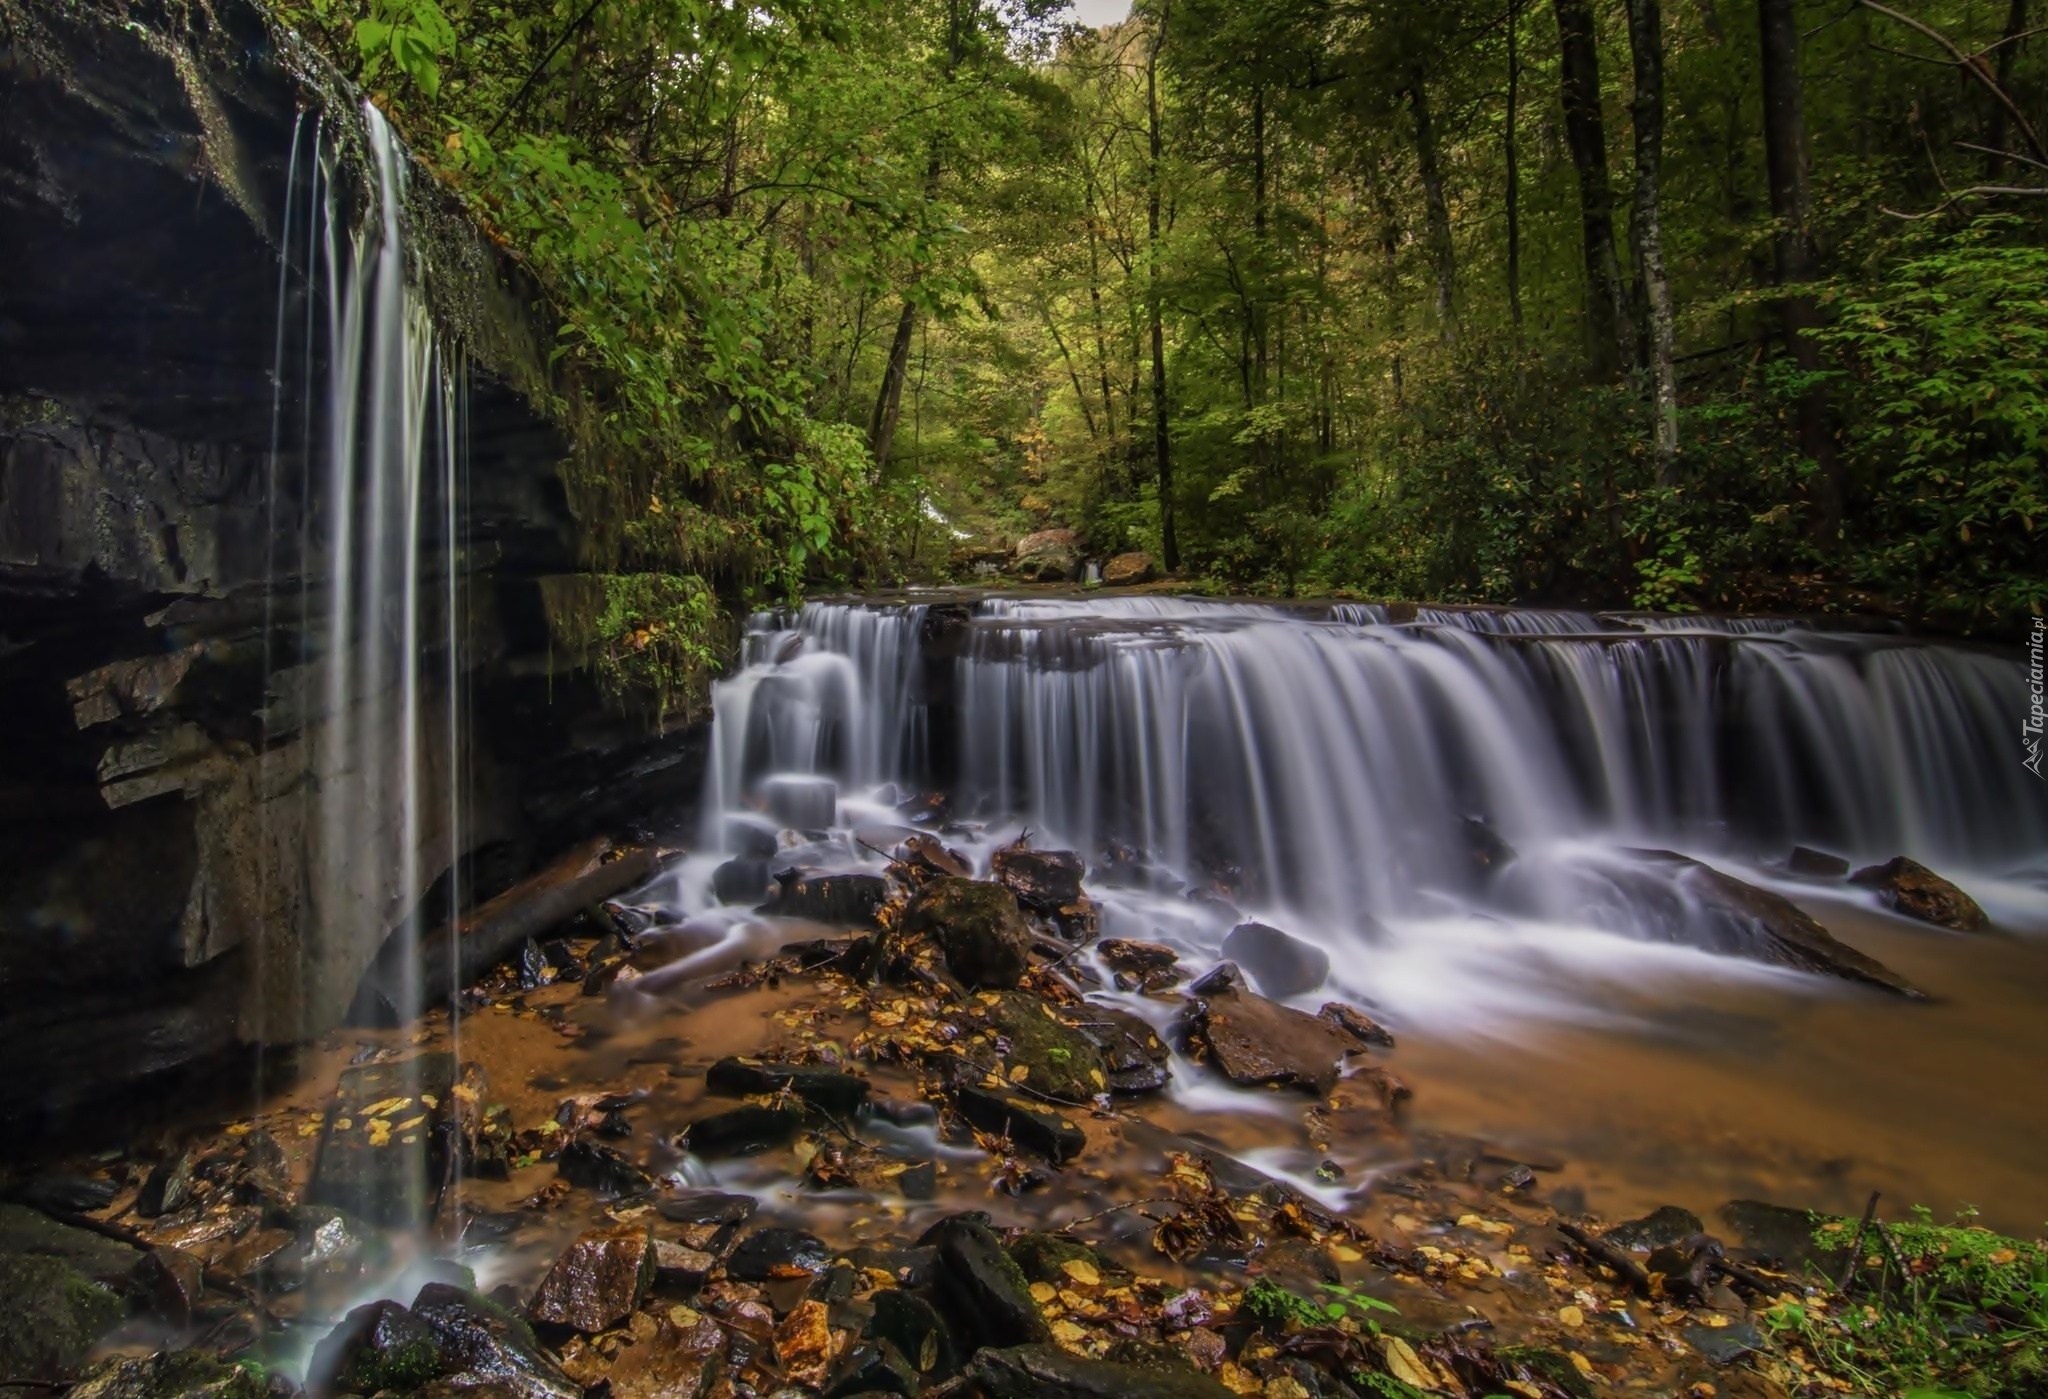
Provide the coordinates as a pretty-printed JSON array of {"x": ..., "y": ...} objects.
[
  {"x": 1271, "y": 1305},
  {"x": 652, "y": 640}
]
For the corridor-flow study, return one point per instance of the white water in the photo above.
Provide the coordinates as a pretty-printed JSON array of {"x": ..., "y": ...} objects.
[{"x": 1316, "y": 768}]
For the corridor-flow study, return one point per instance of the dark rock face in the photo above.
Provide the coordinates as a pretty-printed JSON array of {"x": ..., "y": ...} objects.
[
  {"x": 841, "y": 900},
  {"x": 52, "y": 1316},
  {"x": 978, "y": 925},
  {"x": 1047, "y": 1372},
  {"x": 1908, "y": 887},
  {"x": 598, "y": 1281},
  {"x": 1252, "y": 1041},
  {"x": 770, "y": 1254},
  {"x": 1278, "y": 963},
  {"x": 1044, "y": 881},
  {"x": 983, "y": 1287}
]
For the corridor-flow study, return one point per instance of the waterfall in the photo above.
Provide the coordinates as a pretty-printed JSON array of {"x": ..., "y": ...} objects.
[
  {"x": 1326, "y": 765},
  {"x": 371, "y": 403}
]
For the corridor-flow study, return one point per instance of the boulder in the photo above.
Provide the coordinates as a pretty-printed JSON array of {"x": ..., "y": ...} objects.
[
  {"x": 1031, "y": 1126},
  {"x": 1354, "y": 1022},
  {"x": 746, "y": 1131},
  {"x": 1816, "y": 864},
  {"x": 743, "y": 880},
  {"x": 1049, "y": 556},
  {"x": 833, "y": 1090},
  {"x": 486, "y": 1346},
  {"x": 598, "y": 1281},
  {"x": 185, "y": 1374},
  {"x": 1043, "y": 1257},
  {"x": 749, "y": 839},
  {"x": 768, "y": 1255},
  {"x": 982, "y": 1287},
  {"x": 379, "y": 1347},
  {"x": 1252, "y": 1041},
  {"x": 1048, "y": 1372},
  {"x": 1046, "y": 1054},
  {"x": 1044, "y": 881},
  {"x": 94, "y": 1257},
  {"x": 840, "y": 900},
  {"x": 978, "y": 926},
  {"x": 1909, "y": 887},
  {"x": 1128, "y": 570},
  {"x": 50, "y": 1317},
  {"x": 802, "y": 803},
  {"x": 1279, "y": 964},
  {"x": 386, "y": 1166}
]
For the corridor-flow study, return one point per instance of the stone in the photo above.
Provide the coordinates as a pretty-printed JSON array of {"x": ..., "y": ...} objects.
[
  {"x": 1354, "y": 1022},
  {"x": 744, "y": 880},
  {"x": 914, "y": 1327},
  {"x": 771, "y": 1254},
  {"x": 1663, "y": 1227},
  {"x": 841, "y": 900},
  {"x": 982, "y": 1287},
  {"x": 1139, "y": 966},
  {"x": 1252, "y": 1041},
  {"x": 1128, "y": 570},
  {"x": 1816, "y": 864},
  {"x": 598, "y": 1281},
  {"x": 386, "y": 1167},
  {"x": 802, "y": 803},
  {"x": 186, "y": 1374},
  {"x": 1787, "y": 1236},
  {"x": 671, "y": 1361},
  {"x": 833, "y": 1090},
  {"x": 1730, "y": 916},
  {"x": 749, "y": 839},
  {"x": 1047, "y": 1372},
  {"x": 707, "y": 1207},
  {"x": 169, "y": 1283},
  {"x": 51, "y": 1316},
  {"x": 379, "y": 1346},
  {"x": 1485, "y": 850},
  {"x": 978, "y": 926},
  {"x": 1278, "y": 963},
  {"x": 1132, "y": 1051},
  {"x": 167, "y": 1187},
  {"x": 746, "y": 1131},
  {"x": 485, "y": 1345},
  {"x": 1910, "y": 888},
  {"x": 1044, "y": 881},
  {"x": 803, "y": 1342},
  {"x": 1029, "y": 1125},
  {"x": 94, "y": 1257},
  {"x": 604, "y": 1169},
  {"x": 1049, "y": 556},
  {"x": 871, "y": 1369},
  {"x": 1042, "y": 1257},
  {"x": 1044, "y": 1053},
  {"x": 63, "y": 1193},
  {"x": 681, "y": 1267},
  {"x": 1724, "y": 1345}
]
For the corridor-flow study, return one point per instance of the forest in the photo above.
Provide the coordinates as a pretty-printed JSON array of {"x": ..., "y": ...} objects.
[{"x": 1674, "y": 305}]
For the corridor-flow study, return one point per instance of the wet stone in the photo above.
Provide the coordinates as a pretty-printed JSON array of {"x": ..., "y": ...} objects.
[
  {"x": 748, "y": 839},
  {"x": 1487, "y": 852},
  {"x": 187, "y": 1374},
  {"x": 50, "y": 1315},
  {"x": 168, "y": 1186},
  {"x": 485, "y": 1345},
  {"x": 603, "y": 1169},
  {"x": 707, "y": 1207},
  {"x": 1134, "y": 1055},
  {"x": 598, "y": 1281},
  {"x": 840, "y": 900},
  {"x": 1044, "y": 1052},
  {"x": 1140, "y": 966},
  {"x": 914, "y": 1327},
  {"x": 833, "y": 1090},
  {"x": 982, "y": 1286},
  {"x": 669, "y": 1360},
  {"x": 1044, "y": 881},
  {"x": 1253, "y": 1041},
  {"x": 978, "y": 925},
  {"x": 380, "y": 1346},
  {"x": 746, "y": 1131},
  {"x": 802, "y": 803},
  {"x": 1663, "y": 1227},
  {"x": 1816, "y": 864},
  {"x": 1357, "y": 1024},
  {"x": 746, "y": 880},
  {"x": 1031, "y": 1126},
  {"x": 169, "y": 1283},
  {"x": 1724, "y": 1345},
  {"x": 1278, "y": 963},
  {"x": 381, "y": 1157},
  {"x": 1910, "y": 888},
  {"x": 1047, "y": 1372},
  {"x": 680, "y": 1266},
  {"x": 773, "y": 1254}
]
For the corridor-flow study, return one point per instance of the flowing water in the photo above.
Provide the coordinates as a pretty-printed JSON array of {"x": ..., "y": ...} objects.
[{"x": 1322, "y": 770}]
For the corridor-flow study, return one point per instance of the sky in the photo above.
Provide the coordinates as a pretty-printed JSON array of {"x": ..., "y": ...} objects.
[{"x": 1101, "y": 11}]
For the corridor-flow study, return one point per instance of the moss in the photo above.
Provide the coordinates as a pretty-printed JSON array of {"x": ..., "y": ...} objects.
[
  {"x": 1274, "y": 1307},
  {"x": 406, "y": 1366},
  {"x": 51, "y": 1317},
  {"x": 1542, "y": 1364},
  {"x": 653, "y": 642},
  {"x": 1043, "y": 1257},
  {"x": 1060, "y": 1061}
]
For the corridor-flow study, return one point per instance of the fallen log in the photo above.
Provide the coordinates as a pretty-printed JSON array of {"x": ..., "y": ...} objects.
[{"x": 393, "y": 991}]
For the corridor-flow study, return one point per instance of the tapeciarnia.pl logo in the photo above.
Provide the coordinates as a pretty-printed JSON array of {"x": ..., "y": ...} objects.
[{"x": 2030, "y": 732}]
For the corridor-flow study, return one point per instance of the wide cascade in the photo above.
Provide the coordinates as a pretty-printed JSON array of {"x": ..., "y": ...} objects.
[{"x": 1376, "y": 784}]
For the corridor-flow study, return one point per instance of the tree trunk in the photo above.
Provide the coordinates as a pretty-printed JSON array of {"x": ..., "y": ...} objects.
[
  {"x": 889, "y": 401},
  {"x": 1646, "y": 44},
  {"x": 2008, "y": 51},
  {"x": 1169, "y": 546},
  {"x": 1610, "y": 339},
  {"x": 1785, "y": 157},
  {"x": 1442, "y": 253},
  {"x": 1514, "y": 171}
]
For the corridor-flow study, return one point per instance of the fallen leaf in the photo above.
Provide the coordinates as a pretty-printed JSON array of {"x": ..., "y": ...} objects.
[
  {"x": 1082, "y": 1271},
  {"x": 1571, "y": 1317}
]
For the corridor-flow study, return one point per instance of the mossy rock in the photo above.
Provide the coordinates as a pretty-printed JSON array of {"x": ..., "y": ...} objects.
[
  {"x": 50, "y": 1315},
  {"x": 178, "y": 1375},
  {"x": 1058, "y": 1060},
  {"x": 1044, "y": 1257},
  {"x": 1542, "y": 1365},
  {"x": 380, "y": 1346}
]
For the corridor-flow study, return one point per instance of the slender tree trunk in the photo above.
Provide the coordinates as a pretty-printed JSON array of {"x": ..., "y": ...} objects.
[
  {"x": 1169, "y": 546},
  {"x": 1514, "y": 172},
  {"x": 1443, "y": 254},
  {"x": 1073, "y": 374},
  {"x": 1996, "y": 127},
  {"x": 1610, "y": 340},
  {"x": 1646, "y": 44},
  {"x": 889, "y": 401},
  {"x": 1390, "y": 273},
  {"x": 1785, "y": 157}
]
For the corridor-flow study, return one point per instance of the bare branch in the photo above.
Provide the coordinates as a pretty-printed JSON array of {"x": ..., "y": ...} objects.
[
  {"x": 2003, "y": 155},
  {"x": 1974, "y": 69},
  {"x": 1973, "y": 192}
]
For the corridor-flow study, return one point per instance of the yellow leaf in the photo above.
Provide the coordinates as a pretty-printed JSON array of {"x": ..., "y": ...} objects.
[
  {"x": 1571, "y": 1317},
  {"x": 342, "y": 1124},
  {"x": 1406, "y": 1366},
  {"x": 1020, "y": 1073},
  {"x": 1042, "y": 1292},
  {"x": 1082, "y": 1271},
  {"x": 1580, "y": 1363}
]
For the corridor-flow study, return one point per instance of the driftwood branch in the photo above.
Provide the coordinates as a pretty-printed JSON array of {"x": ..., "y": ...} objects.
[{"x": 1607, "y": 1255}]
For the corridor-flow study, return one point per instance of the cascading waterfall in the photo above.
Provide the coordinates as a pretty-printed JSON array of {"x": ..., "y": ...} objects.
[{"x": 1326, "y": 766}]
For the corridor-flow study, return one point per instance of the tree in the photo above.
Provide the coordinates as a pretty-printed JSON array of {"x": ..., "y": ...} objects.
[
  {"x": 1610, "y": 340},
  {"x": 1646, "y": 44}
]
